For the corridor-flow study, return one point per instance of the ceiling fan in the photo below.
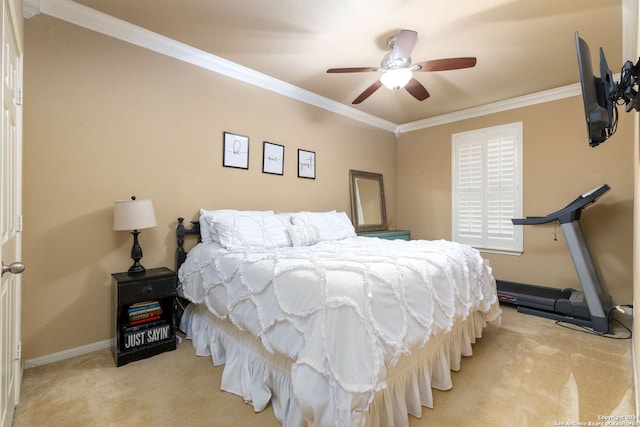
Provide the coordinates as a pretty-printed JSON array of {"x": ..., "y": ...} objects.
[{"x": 397, "y": 70}]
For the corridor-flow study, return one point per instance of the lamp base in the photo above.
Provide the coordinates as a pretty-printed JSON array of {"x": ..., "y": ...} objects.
[
  {"x": 136, "y": 268},
  {"x": 136, "y": 256}
]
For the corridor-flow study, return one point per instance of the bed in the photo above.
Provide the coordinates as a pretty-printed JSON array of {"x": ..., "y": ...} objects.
[{"x": 331, "y": 328}]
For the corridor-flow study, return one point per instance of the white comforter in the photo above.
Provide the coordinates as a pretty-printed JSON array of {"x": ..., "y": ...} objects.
[{"x": 342, "y": 311}]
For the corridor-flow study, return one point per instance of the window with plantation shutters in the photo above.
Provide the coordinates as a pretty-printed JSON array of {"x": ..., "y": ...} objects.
[{"x": 487, "y": 188}]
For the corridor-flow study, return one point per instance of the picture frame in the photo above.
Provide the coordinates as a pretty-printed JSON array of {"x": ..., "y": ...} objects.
[
  {"x": 272, "y": 158},
  {"x": 235, "y": 151},
  {"x": 306, "y": 164}
]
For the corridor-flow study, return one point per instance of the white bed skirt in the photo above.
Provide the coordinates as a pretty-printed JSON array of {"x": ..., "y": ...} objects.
[{"x": 259, "y": 377}]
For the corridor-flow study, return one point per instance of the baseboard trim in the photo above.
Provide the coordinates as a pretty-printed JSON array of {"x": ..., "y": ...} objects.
[{"x": 67, "y": 354}]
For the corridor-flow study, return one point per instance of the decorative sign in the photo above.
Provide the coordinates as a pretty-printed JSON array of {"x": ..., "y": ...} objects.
[
  {"x": 235, "y": 151},
  {"x": 306, "y": 164},
  {"x": 146, "y": 336},
  {"x": 273, "y": 158}
]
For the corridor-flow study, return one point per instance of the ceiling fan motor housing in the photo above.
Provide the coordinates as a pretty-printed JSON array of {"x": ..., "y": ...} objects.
[{"x": 389, "y": 63}]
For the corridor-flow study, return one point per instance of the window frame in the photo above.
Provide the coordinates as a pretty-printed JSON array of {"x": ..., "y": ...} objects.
[{"x": 476, "y": 193}]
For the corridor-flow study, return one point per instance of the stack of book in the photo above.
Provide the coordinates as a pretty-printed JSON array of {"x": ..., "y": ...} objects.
[
  {"x": 145, "y": 325},
  {"x": 144, "y": 312}
]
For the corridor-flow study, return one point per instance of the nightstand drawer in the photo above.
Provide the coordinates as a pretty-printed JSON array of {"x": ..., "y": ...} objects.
[{"x": 149, "y": 289}]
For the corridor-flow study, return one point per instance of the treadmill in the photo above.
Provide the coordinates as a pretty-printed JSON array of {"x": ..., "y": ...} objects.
[{"x": 589, "y": 307}]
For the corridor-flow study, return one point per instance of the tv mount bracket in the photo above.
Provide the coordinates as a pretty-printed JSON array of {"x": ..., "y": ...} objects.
[{"x": 627, "y": 88}]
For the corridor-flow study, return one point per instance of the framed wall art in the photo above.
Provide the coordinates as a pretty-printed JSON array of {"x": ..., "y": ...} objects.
[
  {"x": 306, "y": 164},
  {"x": 235, "y": 151},
  {"x": 272, "y": 158}
]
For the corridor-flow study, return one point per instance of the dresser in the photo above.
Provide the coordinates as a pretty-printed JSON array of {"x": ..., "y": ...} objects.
[{"x": 388, "y": 234}]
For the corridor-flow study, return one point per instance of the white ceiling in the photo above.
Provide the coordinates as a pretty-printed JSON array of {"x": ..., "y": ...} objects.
[{"x": 522, "y": 46}]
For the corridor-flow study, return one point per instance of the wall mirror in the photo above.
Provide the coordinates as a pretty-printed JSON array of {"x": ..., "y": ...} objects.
[{"x": 368, "y": 209}]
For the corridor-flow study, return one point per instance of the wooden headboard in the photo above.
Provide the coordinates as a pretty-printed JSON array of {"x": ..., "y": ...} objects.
[{"x": 181, "y": 232}]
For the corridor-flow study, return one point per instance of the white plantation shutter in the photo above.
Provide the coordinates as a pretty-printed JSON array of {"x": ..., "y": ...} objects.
[
  {"x": 469, "y": 187},
  {"x": 487, "y": 187}
]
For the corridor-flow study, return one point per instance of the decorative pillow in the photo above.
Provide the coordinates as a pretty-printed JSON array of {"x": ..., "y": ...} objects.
[
  {"x": 207, "y": 218},
  {"x": 286, "y": 216},
  {"x": 265, "y": 231},
  {"x": 303, "y": 235},
  {"x": 330, "y": 225}
]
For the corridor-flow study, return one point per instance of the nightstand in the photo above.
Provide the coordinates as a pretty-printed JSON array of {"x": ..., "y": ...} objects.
[
  {"x": 143, "y": 314},
  {"x": 389, "y": 234}
]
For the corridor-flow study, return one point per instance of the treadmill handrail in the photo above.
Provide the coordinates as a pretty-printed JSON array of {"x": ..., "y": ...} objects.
[
  {"x": 569, "y": 213},
  {"x": 532, "y": 220}
]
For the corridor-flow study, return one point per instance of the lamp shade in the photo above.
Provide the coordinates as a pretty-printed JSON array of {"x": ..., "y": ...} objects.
[
  {"x": 133, "y": 214},
  {"x": 396, "y": 79}
]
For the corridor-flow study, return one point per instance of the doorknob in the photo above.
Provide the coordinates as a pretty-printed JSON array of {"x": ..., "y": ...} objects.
[{"x": 13, "y": 268}]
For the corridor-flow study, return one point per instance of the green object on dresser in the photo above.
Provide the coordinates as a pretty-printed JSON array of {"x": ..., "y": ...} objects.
[{"x": 389, "y": 234}]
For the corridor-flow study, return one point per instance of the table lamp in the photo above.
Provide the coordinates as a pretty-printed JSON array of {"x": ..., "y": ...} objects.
[{"x": 134, "y": 215}]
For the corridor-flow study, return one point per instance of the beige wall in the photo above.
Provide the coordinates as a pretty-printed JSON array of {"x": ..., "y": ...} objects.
[
  {"x": 559, "y": 165},
  {"x": 104, "y": 120}
]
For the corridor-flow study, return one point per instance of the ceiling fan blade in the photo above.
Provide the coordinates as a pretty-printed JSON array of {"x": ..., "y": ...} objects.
[
  {"x": 352, "y": 70},
  {"x": 446, "y": 64},
  {"x": 367, "y": 92},
  {"x": 404, "y": 44},
  {"x": 417, "y": 90}
]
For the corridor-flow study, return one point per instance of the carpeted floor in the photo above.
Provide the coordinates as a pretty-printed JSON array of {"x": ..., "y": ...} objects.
[{"x": 529, "y": 372}]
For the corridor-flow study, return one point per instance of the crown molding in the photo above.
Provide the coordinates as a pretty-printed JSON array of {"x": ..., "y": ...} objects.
[
  {"x": 102, "y": 23},
  {"x": 629, "y": 42},
  {"x": 496, "y": 107},
  {"x": 91, "y": 19},
  {"x": 30, "y": 8}
]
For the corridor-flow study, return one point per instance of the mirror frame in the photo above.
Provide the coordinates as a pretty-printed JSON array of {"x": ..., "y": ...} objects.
[{"x": 382, "y": 226}]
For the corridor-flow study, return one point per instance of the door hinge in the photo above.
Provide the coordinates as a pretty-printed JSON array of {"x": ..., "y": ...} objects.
[
  {"x": 20, "y": 97},
  {"x": 19, "y": 350},
  {"x": 19, "y": 223}
]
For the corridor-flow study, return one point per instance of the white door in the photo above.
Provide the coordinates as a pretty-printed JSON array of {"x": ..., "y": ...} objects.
[{"x": 10, "y": 212}]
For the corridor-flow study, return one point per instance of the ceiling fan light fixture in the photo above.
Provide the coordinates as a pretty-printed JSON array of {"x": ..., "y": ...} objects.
[{"x": 396, "y": 79}]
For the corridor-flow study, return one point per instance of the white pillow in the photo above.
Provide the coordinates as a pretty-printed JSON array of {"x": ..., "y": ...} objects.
[
  {"x": 331, "y": 225},
  {"x": 286, "y": 216},
  {"x": 303, "y": 235},
  {"x": 208, "y": 233},
  {"x": 265, "y": 231}
]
